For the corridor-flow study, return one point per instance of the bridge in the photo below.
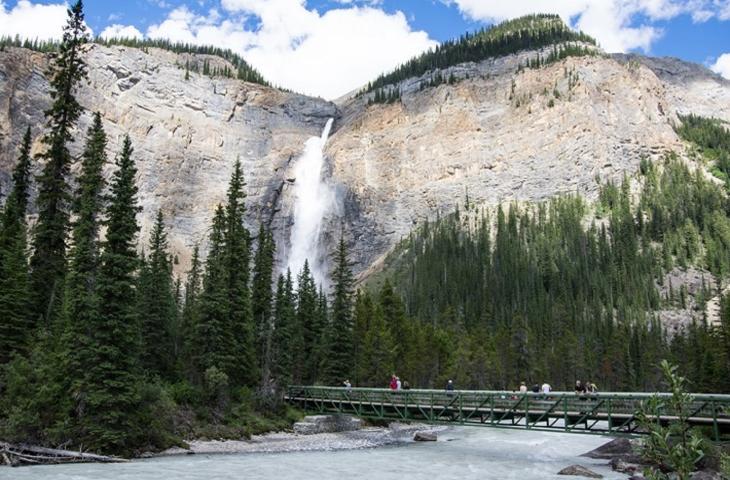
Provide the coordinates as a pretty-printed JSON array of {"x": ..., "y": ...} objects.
[{"x": 604, "y": 413}]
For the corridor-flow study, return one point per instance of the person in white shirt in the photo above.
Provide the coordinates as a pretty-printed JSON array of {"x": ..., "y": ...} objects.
[
  {"x": 523, "y": 387},
  {"x": 546, "y": 388},
  {"x": 397, "y": 383}
]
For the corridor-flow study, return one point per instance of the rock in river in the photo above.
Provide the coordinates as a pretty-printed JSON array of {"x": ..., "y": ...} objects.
[
  {"x": 424, "y": 437},
  {"x": 579, "y": 471}
]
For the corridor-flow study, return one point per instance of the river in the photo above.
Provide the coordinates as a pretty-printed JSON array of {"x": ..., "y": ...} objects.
[{"x": 462, "y": 453}]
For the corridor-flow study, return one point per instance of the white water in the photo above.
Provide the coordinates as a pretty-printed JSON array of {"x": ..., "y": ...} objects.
[
  {"x": 313, "y": 200},
  {"x": 464, "y": 453}
]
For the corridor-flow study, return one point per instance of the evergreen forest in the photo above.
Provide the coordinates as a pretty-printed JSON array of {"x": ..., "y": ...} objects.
[{"x": 104, "y": 348}]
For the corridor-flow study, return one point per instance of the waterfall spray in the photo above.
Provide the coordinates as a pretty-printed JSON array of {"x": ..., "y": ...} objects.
[{"x": 313, "y": 200}]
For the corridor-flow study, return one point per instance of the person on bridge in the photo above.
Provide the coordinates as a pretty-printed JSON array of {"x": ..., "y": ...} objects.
[
  {"x": 406, "y": 385},
  {"x": 580, "y": 389},
  {"x": 546, "y": 388},
  {"x": 393, "y": 382},
  {"x": 450, "y": 387},
  {"x": 523, "y": 387},
  {"x": 591, "y": 388},
  {"x": 535, "y": 388},
  {"x": 398, "y": 383},
  {"x": 347, "y": 385}
]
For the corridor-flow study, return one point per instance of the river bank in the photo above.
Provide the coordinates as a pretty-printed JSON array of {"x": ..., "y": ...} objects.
[
  {"x": 282, "y": 442},
  {"x": 461, "y": 453}
]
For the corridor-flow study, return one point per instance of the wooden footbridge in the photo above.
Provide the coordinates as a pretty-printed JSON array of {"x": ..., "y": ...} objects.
[{"x": 603, "y": 414}]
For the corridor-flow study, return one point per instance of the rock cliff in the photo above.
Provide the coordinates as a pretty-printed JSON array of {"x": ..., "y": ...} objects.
[{"x": 498, "y": 134}]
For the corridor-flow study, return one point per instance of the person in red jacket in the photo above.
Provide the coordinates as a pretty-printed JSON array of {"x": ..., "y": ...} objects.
[{"x": 394, "y": 382}]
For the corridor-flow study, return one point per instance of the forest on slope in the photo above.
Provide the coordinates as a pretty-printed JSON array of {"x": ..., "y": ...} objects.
[
  {"x": 534, "y": 294},
  {"x": 530, "y": 32},
  {"x": 102, "y": 346}
]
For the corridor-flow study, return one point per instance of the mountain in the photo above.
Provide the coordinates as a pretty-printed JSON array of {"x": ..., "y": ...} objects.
[{"x": 498, "y": 130}]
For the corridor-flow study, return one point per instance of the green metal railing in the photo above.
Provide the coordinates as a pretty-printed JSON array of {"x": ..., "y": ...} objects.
[{"x": 604, "y": 413}]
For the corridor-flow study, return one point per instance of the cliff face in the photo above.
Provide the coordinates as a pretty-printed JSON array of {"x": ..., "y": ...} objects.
[
  {"x": 187, "y": 134},
  {"x": 495, "y": 135}
]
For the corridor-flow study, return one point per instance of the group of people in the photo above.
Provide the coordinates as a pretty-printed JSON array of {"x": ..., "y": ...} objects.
[
  {"x": 545, "y": 388},
  {"x": 587, "y": 388},
  {"x": 397, "y": 384}
]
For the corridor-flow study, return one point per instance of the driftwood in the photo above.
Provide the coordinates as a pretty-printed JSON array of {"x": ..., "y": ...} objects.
[{"x": 15, "y": 455}]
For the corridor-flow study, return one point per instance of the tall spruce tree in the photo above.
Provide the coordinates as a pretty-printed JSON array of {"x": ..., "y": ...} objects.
[
  {"x": 261, "y": 298},
  {"x": 190, "y": 311},
  {"x": 48, "y": 263},
  {"x": 310, "y": 323},
  {"x": 81, "y": 299},
  {"x": 113, "y": 378},
  {"x": 338, "y": 359},
  {"x": 212, "y": 338},
  {"x": 15, "y": 321},
  {"x": 157, "y": 305},
  {"x": 286, "y": 340},
  {"x": 244, "y": 369}
]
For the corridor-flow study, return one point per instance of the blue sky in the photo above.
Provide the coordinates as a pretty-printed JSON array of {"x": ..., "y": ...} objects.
[{"x": 329, "y": 47}]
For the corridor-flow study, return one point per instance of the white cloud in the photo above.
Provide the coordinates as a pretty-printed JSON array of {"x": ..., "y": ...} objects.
[
  {"x": 121, "y": 31},
  {"x": 298, "y": 48},
  {"x": 612, "y": 22},
  {"x": 722, "y": 65},
  {"x": 33, "y": 21}
]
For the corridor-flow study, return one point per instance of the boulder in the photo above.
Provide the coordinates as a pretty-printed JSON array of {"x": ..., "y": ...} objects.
[
  {"x": 579, "y": 471},
  {"x": 619, "y": 465},
  {"x": 614, "y": 448},
  {"x": 706, "y": 475},
  {"x": 424, "y": 437},
  {"x": 312, "y": 424}
]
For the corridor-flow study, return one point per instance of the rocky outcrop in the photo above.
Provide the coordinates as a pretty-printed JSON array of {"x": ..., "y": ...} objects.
[
  {"x": 312, "y": 424},
  {"x": 425, "y": 437},
  {"x": 579, "y": 471},
  {"x": 187, "y": 134},
  {"x": 498, "y": 135}
]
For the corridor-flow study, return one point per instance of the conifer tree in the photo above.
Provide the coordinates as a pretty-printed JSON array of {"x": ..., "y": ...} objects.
[
  {"x": 15, "y": 320},
  {"x": 48, "y": 263},
  {"x": 157, "y": 305},
  {"x": 310, "y": 323},
  {"x": 337, "y": 362},
  {"x": 190, "y": 310},
  {"x": 212, "y": 337},
  {"x": 261, "y": 297},
  {"x": 237, "y": 265},
  {"x": 286, "y": 342},
  {"x": 113, "y": 397},
  {"x": 81, "y": 299}
]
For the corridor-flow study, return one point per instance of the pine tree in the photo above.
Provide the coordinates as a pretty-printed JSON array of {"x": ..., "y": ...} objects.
[
  {"x": 337, "y": 362},
  {"x": 237, "y": 259},
  {"x": 81, "y": 299},
  {"x": 261, "y": 297},
  {"x": 286, "y": 342},
  {"x": 190, "y": 311},
  {"x": 15, "y": 320},
  {"x": 310, "y": 324},
  {"x": 48, "y": 263},
  {"x": 212, "y": 337},
  {"x": 113, "y": 397},
  {"x": 157, "y": 306}
]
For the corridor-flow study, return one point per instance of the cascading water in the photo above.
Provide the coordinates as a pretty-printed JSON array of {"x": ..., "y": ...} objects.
[{"x": 313, "y": 200}]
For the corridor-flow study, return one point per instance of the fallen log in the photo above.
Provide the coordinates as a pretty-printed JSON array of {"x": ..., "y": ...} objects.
[{"x": 21, "y": 454}]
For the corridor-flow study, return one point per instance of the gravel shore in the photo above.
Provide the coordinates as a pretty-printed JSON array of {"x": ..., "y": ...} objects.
[{"x": 370, "y": 437}]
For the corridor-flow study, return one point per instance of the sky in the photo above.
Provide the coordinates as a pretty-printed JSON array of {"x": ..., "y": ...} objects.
[{"x": 328, "y": 48}]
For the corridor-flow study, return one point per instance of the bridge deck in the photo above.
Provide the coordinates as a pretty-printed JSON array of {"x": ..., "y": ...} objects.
[{"x": 604, "y": 413}]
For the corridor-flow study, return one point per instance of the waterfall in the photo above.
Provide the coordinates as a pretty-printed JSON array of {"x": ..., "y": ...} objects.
[{"x": 313, "y": 200}]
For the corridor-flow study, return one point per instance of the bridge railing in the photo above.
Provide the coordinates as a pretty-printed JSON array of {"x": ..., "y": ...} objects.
[{"x": 608, "y": 412}]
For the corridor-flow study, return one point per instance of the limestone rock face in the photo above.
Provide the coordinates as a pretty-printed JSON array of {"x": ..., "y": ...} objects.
[
  {"x": 497, "y": 135},
  {"x": 187, "y": 134},
  {"x": 501, "y": 136}
]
